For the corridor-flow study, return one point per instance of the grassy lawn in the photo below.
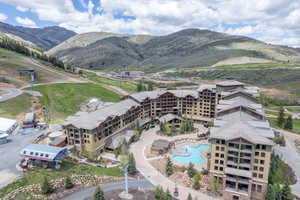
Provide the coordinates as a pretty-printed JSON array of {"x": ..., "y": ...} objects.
[
  {"x": 255, "y": 65},
  {"x": 36, "y": 175},
  {"x": 13, "y": 107},
  {"x": 63, "y": 99},
  {"x": 296, "y": 124},
  {"x": 125, "y": 85}
]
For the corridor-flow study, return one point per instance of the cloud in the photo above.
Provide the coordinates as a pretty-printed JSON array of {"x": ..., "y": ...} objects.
[
  {"x": 3, "y": 17},
  {"x": 26, "y": 22},
  {"x": 269, "y": 20},
  {"x": 22, "y": 9}
]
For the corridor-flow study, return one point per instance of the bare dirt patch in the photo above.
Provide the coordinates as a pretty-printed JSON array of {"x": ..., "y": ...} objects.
[{"x": 275, "y": 92}]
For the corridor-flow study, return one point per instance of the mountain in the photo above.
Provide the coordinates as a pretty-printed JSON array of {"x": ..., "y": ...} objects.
[
  {"x": 186, "y": 48},
  {"x": 44, "y": 38}
]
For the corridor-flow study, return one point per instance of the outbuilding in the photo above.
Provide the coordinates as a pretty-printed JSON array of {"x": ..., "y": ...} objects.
[
  {"x": 160, "y": 146},
  {"x": 7, "y": 126},
  {"x": 43, "y": 155}
]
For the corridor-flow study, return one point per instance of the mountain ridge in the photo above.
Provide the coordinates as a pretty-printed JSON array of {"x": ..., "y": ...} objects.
[
  {"x": 185, "y": 48},
  {"x": 44, "y": 38}
]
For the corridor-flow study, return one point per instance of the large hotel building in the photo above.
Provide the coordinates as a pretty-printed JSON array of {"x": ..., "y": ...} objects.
[{"x": 241, "y": 140}]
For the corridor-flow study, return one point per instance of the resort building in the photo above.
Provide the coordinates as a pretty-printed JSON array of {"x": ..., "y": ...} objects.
[{"x": 91, "y": 130}]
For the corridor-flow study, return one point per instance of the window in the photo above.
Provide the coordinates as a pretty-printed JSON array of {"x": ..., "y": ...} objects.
[
  {"x": 261, "y": 176},
  {"x": 31, "y": 153},
  {"x": 263, "y": 154},
  {"x": 41, "y": 154},
  {"x": 36, "y": 153},
  {"x": 217, "y": 148},
  {"x": 222, "y": 148},
  {"x": 217, "y": 155},
  {"x": 259, "y": 188},
  {"x": 262, "y": 162},
  {"x": 222, "y": 155},
  {"x": 255, "y": 167},
  {"x": 216, "y": 167},
  {"x": 221, "y": 162},
  {"x": 254, "y": 175},
  {"x": 263, "y": 147},
  {"x": 256, "y": 161},
  {"x": 221, "y": 169},
  {"x": 234, "y": 197},
  {"x": 24, "y": 152},
  {"x": 256, "y": 153},
  {"x": 47, "y": 155},
  {"x": 216, "y": 161},
  {"x": 261, "y": 169}
]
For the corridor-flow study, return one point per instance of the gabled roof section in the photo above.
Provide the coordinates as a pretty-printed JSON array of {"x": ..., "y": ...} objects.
[
  {"x": 90, "y": 120},
  {"x": 229, "y": 83},
  {"x": 210, "y": 87}
]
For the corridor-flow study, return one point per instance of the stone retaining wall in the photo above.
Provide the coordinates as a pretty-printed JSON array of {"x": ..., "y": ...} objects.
[{"x": 80, "y": 182}]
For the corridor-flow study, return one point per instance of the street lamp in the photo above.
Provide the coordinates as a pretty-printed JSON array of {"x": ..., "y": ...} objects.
[{"x": 125, "y": 194}]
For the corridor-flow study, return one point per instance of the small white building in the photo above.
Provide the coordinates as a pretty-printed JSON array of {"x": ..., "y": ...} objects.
[{"x": 7, "y": 126}]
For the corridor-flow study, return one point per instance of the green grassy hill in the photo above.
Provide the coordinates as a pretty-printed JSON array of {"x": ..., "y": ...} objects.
[{"x": 63, "y": 99}]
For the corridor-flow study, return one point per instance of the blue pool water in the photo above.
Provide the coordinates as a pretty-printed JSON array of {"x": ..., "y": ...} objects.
[{"x": 194, "y": 154}]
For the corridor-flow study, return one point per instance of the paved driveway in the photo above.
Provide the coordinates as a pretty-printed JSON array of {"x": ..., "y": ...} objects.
[
  {"x": 292, "y": 157},
  {"x": 10, "y": 156},
  {"x": 154, "y": 176},
  {"x": 143, "y": 184},
  {"x": 11, "y": 93}
]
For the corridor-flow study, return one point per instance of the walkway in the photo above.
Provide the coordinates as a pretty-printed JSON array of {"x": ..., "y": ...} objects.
[
  {"x": 291, "y": 156},
  {"x": 10, "y": 93},
  {"x": 83, "y": 194},
  {"x": 154, "y": 176}
]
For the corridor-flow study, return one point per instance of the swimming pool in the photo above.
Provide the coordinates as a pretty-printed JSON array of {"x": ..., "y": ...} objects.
[{"x": 193, "y": 156}]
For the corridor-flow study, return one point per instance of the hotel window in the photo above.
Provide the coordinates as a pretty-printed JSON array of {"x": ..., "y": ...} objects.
[
  {"x": 259, "y": 188},
  {"x": 256, "y": 153},
  {"x": 221, "y": 169},
  {"x": 256, "y": 161},
  {"x": 217, "y": 155},
  {"x": 262, "y": 162},
  {"x": 216, "y": 167},
  {"x": 254, "y": 175},
  {"x": 222, "y": 162},
  {"x": 261, "y": 176},
  {"x": 217, "y": 148},
  {"x": 255, "y": 167},
  {"x": 24, "y": 152},
  {"x": 261, "y": 169},
  {"x": 263, "y": 154},
  {"x": 222, "y": 148},
  {"x": 222, "y": 155},
  {"x": 217, "y": 161}
]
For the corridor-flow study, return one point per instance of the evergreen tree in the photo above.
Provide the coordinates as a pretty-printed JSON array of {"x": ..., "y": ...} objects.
[
  {"x": 191, "y": 170},
  {"x": 286, "y": 193},
  {"x": 289, "y": 123},
  {"x": 68, "y": 183},
  {"x": 169, "y": 167},
  {"x": 131, "y": 161},
  {"x": 196, "y": 184},
  {"x": 158, "y": 193},
  {"x": 168, "y": 195},
  {"x": 98, "y": 194},
  {"x": 280, "y": 118},
  {"x": 46, "y": 187},
  {"x": 190, "y": 197},
  {"x": 271, "y": 193},
  {"x": 182, "y": 126}
]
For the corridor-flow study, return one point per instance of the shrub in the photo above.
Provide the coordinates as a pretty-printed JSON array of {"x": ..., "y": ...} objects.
[
  {"x": 68, "y": 183},
  {"x": 46, "y": 187}
]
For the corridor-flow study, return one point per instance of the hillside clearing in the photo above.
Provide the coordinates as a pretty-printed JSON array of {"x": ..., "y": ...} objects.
[
  {"x": 14, "y": 107},
  {"x": 63, "y": 99}
]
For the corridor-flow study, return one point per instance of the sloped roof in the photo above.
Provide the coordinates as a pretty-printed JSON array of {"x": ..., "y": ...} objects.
[
  {"x": 242, "y": 126},
  {"x": 44, "y": 152},
  {"x": 230, "y": 83},
  {"x": 169, "y": 117},
  {"x": 6, "y": 124},
  {"x": 210, "y": 87},
  {"x": 90, "y": 120}
]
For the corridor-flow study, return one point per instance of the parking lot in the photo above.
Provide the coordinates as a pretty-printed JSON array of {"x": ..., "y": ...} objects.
[{"x": 9, "y": 154}]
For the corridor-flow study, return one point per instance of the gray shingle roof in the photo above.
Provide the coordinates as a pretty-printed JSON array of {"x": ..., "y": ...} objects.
[
  {"x": 242, "y": 125},
  {"x": 230, "y": 83},
  {"x": 169, "y": 117},
  {"x": 210, "y": 87},
  {"x": 90, "y": 120}
]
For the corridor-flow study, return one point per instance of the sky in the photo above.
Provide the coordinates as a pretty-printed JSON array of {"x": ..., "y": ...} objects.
[{"x": 272, "y": 21}]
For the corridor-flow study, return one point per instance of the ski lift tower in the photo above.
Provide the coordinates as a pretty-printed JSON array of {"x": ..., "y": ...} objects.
[{"x": 125, "y": 194}]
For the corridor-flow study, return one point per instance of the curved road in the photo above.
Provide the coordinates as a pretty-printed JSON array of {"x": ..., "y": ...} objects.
[
  {"x": 80, "y": 195},
  {"x": 11, "y": 93}
]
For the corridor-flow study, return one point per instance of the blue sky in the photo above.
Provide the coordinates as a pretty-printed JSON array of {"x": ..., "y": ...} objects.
[{"x": 273, "y": 21}]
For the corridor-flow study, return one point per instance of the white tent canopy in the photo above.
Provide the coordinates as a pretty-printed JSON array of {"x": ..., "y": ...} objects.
[{"x": 7, "y": 126}]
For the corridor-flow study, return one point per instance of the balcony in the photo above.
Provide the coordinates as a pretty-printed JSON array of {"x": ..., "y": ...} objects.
[
  {"x": 230, "y": 189},
  {"x": 246, "y": 150},
  {"x": 233, "y": 149}
]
